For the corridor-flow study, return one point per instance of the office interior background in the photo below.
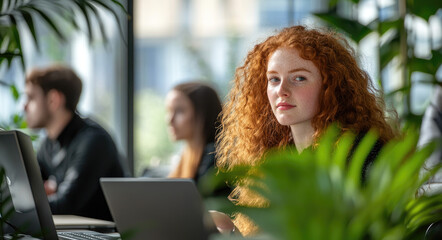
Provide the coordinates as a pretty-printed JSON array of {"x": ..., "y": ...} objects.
[{"x": 171, "y": 41}]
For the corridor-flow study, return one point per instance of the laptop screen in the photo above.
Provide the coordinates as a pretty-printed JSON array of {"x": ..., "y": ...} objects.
[
  {"x": 150, "y": 208},
  {"x": 22, "y": 189}
]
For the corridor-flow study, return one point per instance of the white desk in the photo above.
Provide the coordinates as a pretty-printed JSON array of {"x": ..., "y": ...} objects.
[{"x": 71, "y": 222}]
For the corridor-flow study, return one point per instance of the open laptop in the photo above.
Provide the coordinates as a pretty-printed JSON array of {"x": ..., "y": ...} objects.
[
  {"x": 22, "y": 192},
  {"x": 160, "y": 209}
]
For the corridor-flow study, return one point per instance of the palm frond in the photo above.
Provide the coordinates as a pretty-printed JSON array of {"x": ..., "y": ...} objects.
[{"x": 23, "y": 15}]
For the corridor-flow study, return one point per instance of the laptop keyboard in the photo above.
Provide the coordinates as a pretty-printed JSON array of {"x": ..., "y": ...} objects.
[{"x": 85, "y": 236}]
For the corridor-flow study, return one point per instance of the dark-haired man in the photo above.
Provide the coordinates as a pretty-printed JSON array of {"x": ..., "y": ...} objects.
[{"x": 76, "y": 151}]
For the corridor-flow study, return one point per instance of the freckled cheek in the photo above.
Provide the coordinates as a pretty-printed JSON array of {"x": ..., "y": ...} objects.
[{"x": 309, "y": 97}]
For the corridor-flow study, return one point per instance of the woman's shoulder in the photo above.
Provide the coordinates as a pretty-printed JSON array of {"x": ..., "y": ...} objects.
[
  {"x": 208, "y": 156},
  {"x": 209, "y": 148}
]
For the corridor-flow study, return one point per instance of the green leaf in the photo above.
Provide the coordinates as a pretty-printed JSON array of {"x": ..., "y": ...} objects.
[
  {"x": 432, "y": 82},
  {"x": 16, "y": 119},
  {"x": 83, "y": 9},
  {"x": 324, "y": 154},
  {"x": 359, "y": 156},
  {"x": 50, "y": 22},
  {"x": 23, "y": 124},
  {"x": 17, "y": 42},
  {"x": 14, "y": 92},
  {"x": 343, "y": 149},
  {"x": 423, "y": 65},
  {"x": 389, "y": 51},
  {"x": 424, "y": 9},
  {"x": 9, "y": 55},
  {"x": 98, "y": 19},
  {"x": 404, "y": 90},
  {"x": 118, "y": 4},
  {"x": 30, "y": 25},
  {"x": 385, "y": 26},
  {"x": 116, "y": 17},
  {"x": 355, "y": 1},
  {"x": 332, "y": 4},
  {"x": 355, "y": 30}
]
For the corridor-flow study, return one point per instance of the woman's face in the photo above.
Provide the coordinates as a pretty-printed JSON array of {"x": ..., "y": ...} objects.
[
  {"x": 293, "y": 87},
  {"x": 180, "y": 116}
]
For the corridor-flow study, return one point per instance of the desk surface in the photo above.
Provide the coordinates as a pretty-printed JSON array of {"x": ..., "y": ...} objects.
[{"x": 77, "y": 222}]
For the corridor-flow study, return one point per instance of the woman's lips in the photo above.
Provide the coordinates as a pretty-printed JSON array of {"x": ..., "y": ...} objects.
[{"x": 284, "y": 106}]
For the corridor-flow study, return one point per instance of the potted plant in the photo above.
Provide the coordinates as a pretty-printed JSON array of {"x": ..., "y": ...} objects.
[
  {"x": 318, "y": 194},
  {"x": 397, "y": 41}
]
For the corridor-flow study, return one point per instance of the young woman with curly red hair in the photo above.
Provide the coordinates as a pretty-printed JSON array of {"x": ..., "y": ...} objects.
[{"x": 290, "y": 89}]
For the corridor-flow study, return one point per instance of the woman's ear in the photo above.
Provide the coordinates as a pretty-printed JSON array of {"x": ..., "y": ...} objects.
[{"x": 55, "y": 100}]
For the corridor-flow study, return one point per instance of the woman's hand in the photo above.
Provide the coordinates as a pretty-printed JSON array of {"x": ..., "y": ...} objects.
[
  {"x": 223, "y": 222},
  {"x": 50, "y": 187}
]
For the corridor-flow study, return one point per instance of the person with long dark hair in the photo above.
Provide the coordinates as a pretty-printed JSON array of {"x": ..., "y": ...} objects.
[{"x": 193, "y": 116}]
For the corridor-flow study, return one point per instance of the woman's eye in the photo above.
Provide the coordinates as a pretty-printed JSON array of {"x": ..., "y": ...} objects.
[
  {"x": 273, "y": 79},
  {"x": 300, "y": 78}
]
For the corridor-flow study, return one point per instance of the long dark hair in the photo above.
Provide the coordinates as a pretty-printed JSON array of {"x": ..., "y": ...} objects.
[{"x": 207, "y": 108}]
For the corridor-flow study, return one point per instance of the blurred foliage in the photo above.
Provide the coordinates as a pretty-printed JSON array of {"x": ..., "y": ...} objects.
[
  {"x": 20, "y": 15},
  {"x": 318, "y": 194},
  {"x": 16, "y": 120},
  {"x": 396, "y": 42}
]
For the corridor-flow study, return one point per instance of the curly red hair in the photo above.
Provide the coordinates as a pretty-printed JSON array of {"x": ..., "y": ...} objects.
[
  {"x": 347, "y": 97},
  {"x": 249, "y": 127}
]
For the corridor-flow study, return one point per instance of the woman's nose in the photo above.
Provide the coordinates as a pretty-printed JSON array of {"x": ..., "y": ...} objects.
[{"x": 283, "y": 89}]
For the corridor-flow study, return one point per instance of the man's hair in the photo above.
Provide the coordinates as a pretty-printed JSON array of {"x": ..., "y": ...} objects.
[{"x": 60, "y": 78}]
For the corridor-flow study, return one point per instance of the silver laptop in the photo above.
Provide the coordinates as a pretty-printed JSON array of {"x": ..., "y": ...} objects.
[
  {"x": 160, "y": 209},
  {"x": 22, "y": 193}
]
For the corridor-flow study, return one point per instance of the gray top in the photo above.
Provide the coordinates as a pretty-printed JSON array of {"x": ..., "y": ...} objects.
[{"x": 431, "y": 129}]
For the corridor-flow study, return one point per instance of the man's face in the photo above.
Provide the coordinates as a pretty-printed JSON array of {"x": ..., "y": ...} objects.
[{"x": 36, "y": 107}]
